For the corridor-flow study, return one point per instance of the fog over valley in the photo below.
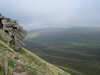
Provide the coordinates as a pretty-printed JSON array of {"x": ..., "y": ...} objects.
[{"x": 65, "y": 33}]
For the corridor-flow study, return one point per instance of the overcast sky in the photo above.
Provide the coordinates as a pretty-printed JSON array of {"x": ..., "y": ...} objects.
[{"x": 34, "y": 14}]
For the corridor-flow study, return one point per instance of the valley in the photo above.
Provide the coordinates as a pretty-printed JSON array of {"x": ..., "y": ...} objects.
[{"x": 75, "y": 50}]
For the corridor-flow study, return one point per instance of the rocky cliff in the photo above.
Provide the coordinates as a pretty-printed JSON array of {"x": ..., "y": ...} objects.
[
  {"x": 12, "y": 32},
  {"x": 22, "y": 62}
]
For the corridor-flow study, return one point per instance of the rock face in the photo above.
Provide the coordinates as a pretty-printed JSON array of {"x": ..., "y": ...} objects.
[{"x": 15, "y": 34}]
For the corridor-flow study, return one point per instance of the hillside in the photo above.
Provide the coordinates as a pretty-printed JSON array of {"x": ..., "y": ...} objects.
[
  {"x": 15, "y": 59},
  {"x": 25, "y": 63},
  {"x": 76, "y": 50}
]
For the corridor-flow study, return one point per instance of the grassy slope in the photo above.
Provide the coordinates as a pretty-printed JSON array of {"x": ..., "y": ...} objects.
[{"x": 30, "y": 61}]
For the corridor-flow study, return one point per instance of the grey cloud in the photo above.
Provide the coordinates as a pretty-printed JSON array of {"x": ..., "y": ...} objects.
[{"x": 46, "y": 13}]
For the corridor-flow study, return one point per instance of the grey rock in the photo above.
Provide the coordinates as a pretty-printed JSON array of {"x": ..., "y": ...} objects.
[{"x": 12, "y": 32}]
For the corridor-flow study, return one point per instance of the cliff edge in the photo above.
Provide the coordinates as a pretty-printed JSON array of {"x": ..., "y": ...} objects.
[{"x": 21, "y": 62}]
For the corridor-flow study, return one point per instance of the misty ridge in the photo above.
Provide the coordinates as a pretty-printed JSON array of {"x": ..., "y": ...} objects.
[{"x": 74, "y": 33}]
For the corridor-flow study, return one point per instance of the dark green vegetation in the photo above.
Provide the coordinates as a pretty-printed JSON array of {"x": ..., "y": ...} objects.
[
  {"x": 76, "y": 50},
  {"x": 29, "y": 68},
  {"x": 11, "y": 63}
]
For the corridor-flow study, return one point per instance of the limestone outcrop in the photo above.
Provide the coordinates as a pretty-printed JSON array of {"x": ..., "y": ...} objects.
[{"x": 12, "y": 32}]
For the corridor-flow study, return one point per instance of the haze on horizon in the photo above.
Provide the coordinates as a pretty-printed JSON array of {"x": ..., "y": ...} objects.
[{"x": 33, "y": 14}]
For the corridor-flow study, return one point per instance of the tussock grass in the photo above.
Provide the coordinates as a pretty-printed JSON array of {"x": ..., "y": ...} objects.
[{"x": 34, "y": 63}]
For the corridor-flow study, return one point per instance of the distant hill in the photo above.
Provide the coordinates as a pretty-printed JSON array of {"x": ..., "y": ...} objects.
[
  {"x": 76, "y": 50},
  {"x": 62, "y": 34}
]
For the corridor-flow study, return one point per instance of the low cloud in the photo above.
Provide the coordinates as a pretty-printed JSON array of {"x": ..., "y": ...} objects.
[{"x": 52, "y": 13}]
